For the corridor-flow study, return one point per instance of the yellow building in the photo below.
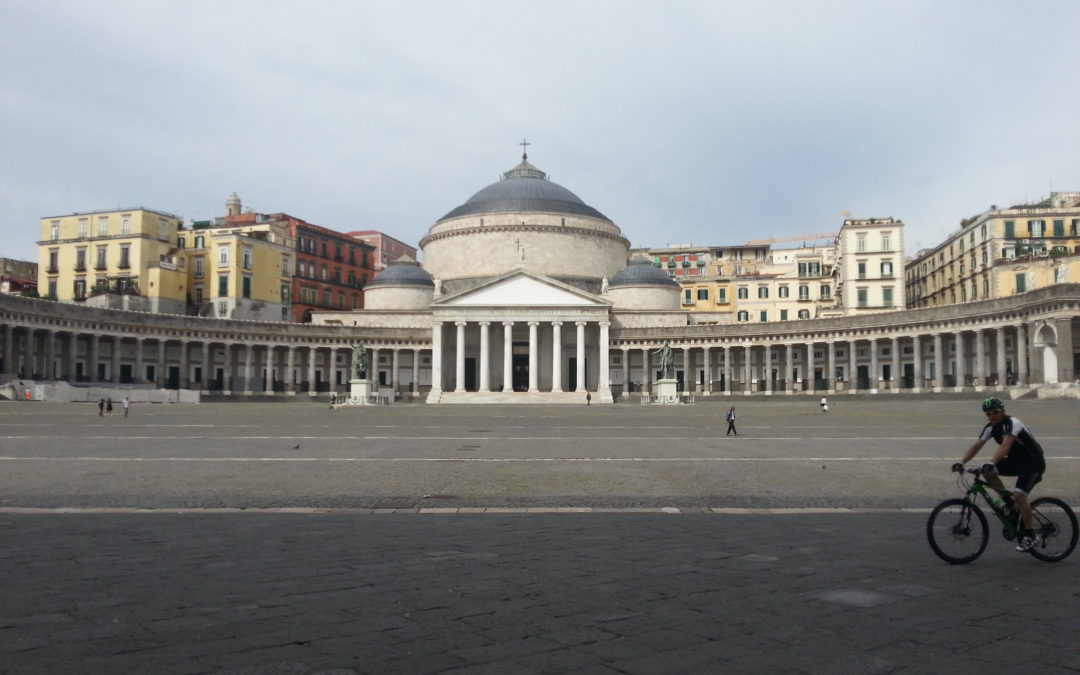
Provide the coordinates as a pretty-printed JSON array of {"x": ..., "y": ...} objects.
[
  {"x": 963, "y": 268},
  {"x": 127, "y": 258},
  {"x": 241, "y": 272}
]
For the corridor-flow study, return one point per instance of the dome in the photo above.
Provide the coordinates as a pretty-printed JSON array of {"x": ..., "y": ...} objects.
[
  {"x": 641, "y": 272},
  {"x": 402, "y": 272},
  {"x": 524, "y": 189}
]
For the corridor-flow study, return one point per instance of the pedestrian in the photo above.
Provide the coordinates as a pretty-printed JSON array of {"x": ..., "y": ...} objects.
[
  {"x": 824, "y": 404},
  {"x": 731, "y": 422},
  {"x": 108, "y": 407},
  {"x": 126, "y": 403},
  {"x": 588, "y": 398},
  {"x": 100, "y": 407},
  {"x": 333, "y": 400}
]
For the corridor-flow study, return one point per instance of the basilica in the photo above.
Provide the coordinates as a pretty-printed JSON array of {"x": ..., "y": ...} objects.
[{"x": 527, "y": 294}]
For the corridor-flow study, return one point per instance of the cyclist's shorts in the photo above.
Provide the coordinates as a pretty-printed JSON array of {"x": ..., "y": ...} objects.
[{"x": 1028, "y": 473}]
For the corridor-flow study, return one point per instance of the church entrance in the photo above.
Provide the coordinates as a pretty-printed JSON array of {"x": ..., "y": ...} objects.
[{"x": 521, "y": 372}]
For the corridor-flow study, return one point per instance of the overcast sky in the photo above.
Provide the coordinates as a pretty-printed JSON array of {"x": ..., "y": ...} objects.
[{"x": 682, "y": 121}]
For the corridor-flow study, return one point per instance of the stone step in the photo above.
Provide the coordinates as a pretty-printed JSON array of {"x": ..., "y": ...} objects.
[{"x": 526, "y": 397}]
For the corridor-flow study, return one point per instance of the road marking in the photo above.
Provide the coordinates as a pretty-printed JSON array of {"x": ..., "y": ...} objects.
[
  {"x": 489, "y": 460},
  {"x": 528, "y": 510}
]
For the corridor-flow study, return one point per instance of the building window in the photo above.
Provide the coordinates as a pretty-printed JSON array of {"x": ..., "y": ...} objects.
[
  {"x": 783, "y": 291},
  {"x": 804, "y": 292},
  {"x": 1037, "y": 228},
  {"x": 125, "y": 224},
  {"x": 199, "y": 267},
  {"x": 702, "y": 294},
  {"x": 744, "y": 315},
  {"x": 100, "y": 258},
  {"x": 783, "y": 315},
  {"x": 198, "y": 294},
  {"x": 1059, "y": 228},
  {"x": 861, "y": 296},
  {"x": 247, "y": 257},
  {"x": 764, "y": 316},
  {"x": 103, "y": 226},
  {"x": 826, "y": 292},
  {"x": 886, "y": 241},
  {"x": 862, "y": 270},
  {"x": 223, "y": 256},
  {"x": 181, "y": 242},
  {"x": 804, "y": 314},
  {"x": 52, "y": 288},
  {"x": 54, "y": 230},
  {"x": 1010, "y": 228},
  {"x": 986, "y": 288},
  {"x": 1021, "y": 283},
  {"x": 223, "y": 285},
  {"x": 860, "y": 243},
  {"x": 246, "y": 286},
  {"x": 763, "y": 292},
  {"x": 125, "y": 256},
  {"x": 341, "y": 300},
  {"x": 80, "y": 289},
  {"x": 81, "y": 228},
  {"x": 285, "y": 265},
  {"x": 200, "y": 242},
  {"x": 54, "y": 260},
  {"x": 687, "y": 296},
  {"x": 744, "y": 293},
  {"x": 325, "y": 295},
  {"x": 886, "y": 270},
  {"x": 886, "y": 297},
  {"x": 324, "y": 274},
  {"x": 163, "y": 229},
  {"x": 80, "y": 259},
  {"x": 355, "y": 301},
  {"x": 722, "y": 297}
]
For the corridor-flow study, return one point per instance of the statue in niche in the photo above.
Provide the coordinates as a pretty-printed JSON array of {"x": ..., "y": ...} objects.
[
  {"x": 360, "y": 361},
  {"x": 438, "y": 287},
  {"x": 603, "y": 285}
]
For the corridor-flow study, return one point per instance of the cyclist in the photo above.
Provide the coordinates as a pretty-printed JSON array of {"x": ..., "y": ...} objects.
[{"x": 1018, "y": 454}]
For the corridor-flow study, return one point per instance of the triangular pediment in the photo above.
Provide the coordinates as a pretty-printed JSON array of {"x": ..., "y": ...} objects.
[{"x": 520, "y": 289}]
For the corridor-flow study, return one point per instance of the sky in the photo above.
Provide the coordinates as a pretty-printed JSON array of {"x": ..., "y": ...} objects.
[{"x": 683, "y": 121}]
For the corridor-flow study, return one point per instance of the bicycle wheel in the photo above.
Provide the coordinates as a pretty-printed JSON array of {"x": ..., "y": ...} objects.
[
  {"x": 1055, "y": 529},
  {"x": 957, "y": 531}
]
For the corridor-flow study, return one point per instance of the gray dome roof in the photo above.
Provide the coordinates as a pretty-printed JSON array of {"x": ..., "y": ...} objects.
[
  {"x": 641, "y": 272},
  {"x": 402, "y": 272},
  {"x": 524, "y": 189}
]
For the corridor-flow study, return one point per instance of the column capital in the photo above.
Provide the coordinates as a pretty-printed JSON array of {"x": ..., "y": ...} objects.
[
  {"x": 508, "y": 324},
  {"x": 605, "y": 324},
  {"x": 556, "y": 323},
  {"x": 580, "y": 323},
  {"x": 459, "y": 324},
  {"x": 534, "y": 323}
]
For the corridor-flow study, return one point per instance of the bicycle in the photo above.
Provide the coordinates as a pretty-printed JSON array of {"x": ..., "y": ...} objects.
[{"x": 958, "y": 530}]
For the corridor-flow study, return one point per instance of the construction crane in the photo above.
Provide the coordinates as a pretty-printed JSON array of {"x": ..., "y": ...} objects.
[{"x": 800, "y": 237}]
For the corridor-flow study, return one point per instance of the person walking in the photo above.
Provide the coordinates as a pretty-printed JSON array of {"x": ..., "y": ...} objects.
[
  {"x": 731, "y": 422},
  {"x": 333, "y": 400},
  {"x": 108, "y": 407},
  {"x": 824, "y": 404},
  {"x": 100, "y": 407},
  {"x": 126, "y": 403}
]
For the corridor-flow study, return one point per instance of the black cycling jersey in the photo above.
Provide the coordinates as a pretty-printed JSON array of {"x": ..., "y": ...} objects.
[{"x": 1024, "y": 448}]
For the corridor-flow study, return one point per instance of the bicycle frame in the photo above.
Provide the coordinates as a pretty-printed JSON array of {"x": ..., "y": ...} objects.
[{"x": 1011, "y": 522}]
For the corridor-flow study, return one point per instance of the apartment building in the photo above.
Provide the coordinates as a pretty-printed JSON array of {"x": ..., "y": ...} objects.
[
  {"x": 387, "y": 249},
  {"x": 869, "y": 260},
  {"x": 123, "y": 258},
  {"x": 998, "y": 253},
  {"x": 18, "y": 276}
]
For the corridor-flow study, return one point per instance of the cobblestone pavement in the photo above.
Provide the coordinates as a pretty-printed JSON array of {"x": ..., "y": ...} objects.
[{"x": 154, "y": 569}]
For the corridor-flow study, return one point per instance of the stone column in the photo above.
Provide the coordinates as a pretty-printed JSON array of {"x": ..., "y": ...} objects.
[
  {"x": 414, "y": 388},
  {"x": 646, "y": 374},
  {"x": 853, "y": 366},
  {"x": 556, "y": 356},
  {"x": 1021, "y": 355},
  {"x": 830, "y": 376},
  {"x": 916, "y": 357},
  {"x": 626, "y": 371},
  {"x": 727, "y": 371},
  {"x": 140, "y": 371},
  {"x": 485, "y": 358},
  {"x": 249, "y": 370},
  {"x": 207, "y": 367},
  {"x": 1002, "y": 378},
  {"x": 580, "y": 355},
  {"x": 459, "y": 357},
  {"x": 50, "y": 355},
  {"x": 114, "y": 365},
  {"x": 288, "y": 385},
  {"x": 508, "y": 356},
  {"x": 268, "y": 378},
  {"x": 789, "y": 374},
  {"x": 604, "y": 385},
  {"x": 30, "y": 354},
  {"x": 767, "y": 370},
  {"x": 436, "y": 357},
  {"x": 939, "y": 363},
  {"x": 980, "y": 360},
  {"x": 895, "y": 353},
  {"x": 875, "y": 374},
  {"x": 162, "y": 374},
  {"x": 533, "y": 347},
  {"x": 182, "y": 381},
  {"x": 9, "y": 352},
  {"x": 706, "y": 356},
  {"x": 72, "y": 356},
  {"x": 395, "y": 363},
  {"x": 312, "y": 352},
  {"x": 960, "y": 375},
  {"x": 748, "y": 374}
]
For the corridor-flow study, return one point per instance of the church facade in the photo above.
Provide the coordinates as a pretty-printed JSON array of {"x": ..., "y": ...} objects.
[{"x": 526, "y": 294}]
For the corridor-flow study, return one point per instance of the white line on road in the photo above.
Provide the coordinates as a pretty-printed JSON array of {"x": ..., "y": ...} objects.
[{"x": 488, "y": 460}]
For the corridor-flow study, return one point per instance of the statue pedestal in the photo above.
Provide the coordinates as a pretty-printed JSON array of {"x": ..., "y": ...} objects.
[
  {"x": 359, "y": 391},
  {"x": 667, "y": 391}
]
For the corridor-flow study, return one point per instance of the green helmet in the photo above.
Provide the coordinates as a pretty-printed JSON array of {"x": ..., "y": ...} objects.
[{"x": 992, "y": 403}]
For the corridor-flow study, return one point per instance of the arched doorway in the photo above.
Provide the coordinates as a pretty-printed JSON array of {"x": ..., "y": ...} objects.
[{"x": 1048, "y": 338}]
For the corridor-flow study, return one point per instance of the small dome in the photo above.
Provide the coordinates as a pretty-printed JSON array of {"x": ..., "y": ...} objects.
[
  {"x": 403, "y": 272},
  {"x": 640, "y": 271},
  {"x": 524, "y": 189}
]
